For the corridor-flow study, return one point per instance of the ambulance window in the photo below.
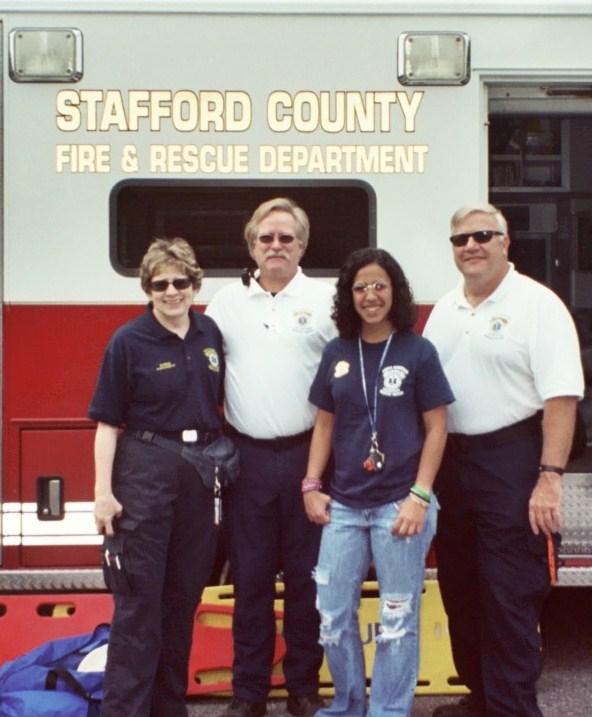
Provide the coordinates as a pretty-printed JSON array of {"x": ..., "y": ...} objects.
[{"x": 212, "y": 216}]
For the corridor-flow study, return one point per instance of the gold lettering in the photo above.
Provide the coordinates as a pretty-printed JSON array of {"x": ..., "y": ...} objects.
[
  {"x": 409, "y": 107},
  {"x": 113, "y": 112},
  {"x": 68, "y": 112},
  {"x": 83, "y": 158},
  {"x": 278, "y": 119},
  {"x": 342, "y": 159}
]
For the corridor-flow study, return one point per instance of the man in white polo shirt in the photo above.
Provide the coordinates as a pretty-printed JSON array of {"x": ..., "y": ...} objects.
[
  {"x": 274, "y": 327},
  {"x": 510, "y": 352}
]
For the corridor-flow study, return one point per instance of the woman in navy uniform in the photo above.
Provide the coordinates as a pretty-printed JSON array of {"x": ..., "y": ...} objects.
[
  {"x": 161, "y": 377},
  {"x": 381, "y": 395}
]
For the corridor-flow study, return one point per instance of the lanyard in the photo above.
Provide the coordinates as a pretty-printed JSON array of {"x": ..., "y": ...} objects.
[{"x": 372, "y": 414}]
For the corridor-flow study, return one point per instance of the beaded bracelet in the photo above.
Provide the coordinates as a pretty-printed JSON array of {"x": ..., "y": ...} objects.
[
  {"x": 310, "y": 484},
  {"x": 310, "y": 488}
]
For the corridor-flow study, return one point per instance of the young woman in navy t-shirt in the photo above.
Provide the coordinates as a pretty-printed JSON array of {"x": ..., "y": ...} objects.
[{"x": 381, "y": 396}]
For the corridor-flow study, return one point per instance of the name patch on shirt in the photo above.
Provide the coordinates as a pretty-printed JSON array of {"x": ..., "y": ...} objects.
[
  {"x": 165, "y": 365},
  {"x": 213, "y": 359},
  {"x": 393, "y": 377}
]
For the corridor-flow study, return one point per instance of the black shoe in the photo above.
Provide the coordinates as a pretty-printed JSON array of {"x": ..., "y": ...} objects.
[
  {"x": 304, "y": 706},
  {"x": 467, "y": 706},
  {"x": 241, "y": 708}
]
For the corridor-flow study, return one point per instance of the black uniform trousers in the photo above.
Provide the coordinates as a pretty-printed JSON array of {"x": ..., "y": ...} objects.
[
  {"x": 160, "y": 560},
  {"x": 493, "y": 571},
  {"x": 269, "y": 532}
]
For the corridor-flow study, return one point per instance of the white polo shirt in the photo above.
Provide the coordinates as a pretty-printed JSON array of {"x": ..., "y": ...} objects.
[
  {"x": 506, "y": 356},
  {"x": 272, "y": 346}
]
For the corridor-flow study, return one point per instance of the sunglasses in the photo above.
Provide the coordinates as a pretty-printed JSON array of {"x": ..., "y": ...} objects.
[
  {"x": 481, "y": 237},
  {"x": 282, "y": 238},
  {"x": 361, "y": 287},
  {"x": 163, "y": 284}
]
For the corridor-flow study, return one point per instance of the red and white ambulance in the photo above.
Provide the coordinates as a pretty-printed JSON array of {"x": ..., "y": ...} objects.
[{"x": 125, "y": 120}]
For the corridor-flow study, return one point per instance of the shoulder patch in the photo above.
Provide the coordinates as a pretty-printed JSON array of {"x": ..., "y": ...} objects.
[
  {"x": 213, "y": 359},
  {"x": 341, "y": 369}
]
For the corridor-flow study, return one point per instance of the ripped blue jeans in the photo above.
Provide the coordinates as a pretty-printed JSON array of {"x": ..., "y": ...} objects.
[{"x": 349, "y": 542}]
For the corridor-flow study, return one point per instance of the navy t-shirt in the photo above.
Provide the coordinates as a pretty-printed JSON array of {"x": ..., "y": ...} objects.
[
  {"x": 411, "y": 382},
  {"x": 151, "y": 379}
]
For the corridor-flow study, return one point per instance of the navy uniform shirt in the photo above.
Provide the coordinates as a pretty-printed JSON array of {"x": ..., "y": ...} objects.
[
  {"x": 154, "y": 380},
  {"x": 411, "y": 381}
]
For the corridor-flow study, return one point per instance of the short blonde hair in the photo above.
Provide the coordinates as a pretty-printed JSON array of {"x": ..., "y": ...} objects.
[
  {"x": 469, "y": 209},
  {"x": 280, "y": 204},
  {"x": 175, "y": 252}
]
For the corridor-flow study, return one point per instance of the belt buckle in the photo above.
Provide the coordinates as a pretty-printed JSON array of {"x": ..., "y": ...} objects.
[{"x": 189, "y": 435}]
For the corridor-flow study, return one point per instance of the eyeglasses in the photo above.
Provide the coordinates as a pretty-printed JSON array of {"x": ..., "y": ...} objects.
[
  {"x": 378, "y": 287},
  {"x": 183, "y": 282},
  {"x": 282, "y": 238},
  {"x": 481, "y": 237}
]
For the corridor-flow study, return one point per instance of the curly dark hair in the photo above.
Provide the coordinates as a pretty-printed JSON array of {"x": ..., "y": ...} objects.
[{"x": 403, "y": 311}]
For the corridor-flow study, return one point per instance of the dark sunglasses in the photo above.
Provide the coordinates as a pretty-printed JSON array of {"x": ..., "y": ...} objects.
[
  {"x": 181, "y": 283},
  {"x": 481, "y": 237},
  {"x": 282, "y": 238}
]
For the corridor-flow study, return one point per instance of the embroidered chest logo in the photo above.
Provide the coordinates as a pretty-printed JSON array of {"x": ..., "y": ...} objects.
[
  {"x": 213, "y": 359},
  {"x": 302, "y": 322},
  {"x": 497, "y": 326},
  {"x": 341, "y": 369},
  {"x": 165, "y": 365},
  {"x": 393, "y": 377}
]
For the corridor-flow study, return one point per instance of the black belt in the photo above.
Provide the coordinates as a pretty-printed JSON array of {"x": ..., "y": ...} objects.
[
  {"x": 193, "y": 435},
  {"x": 508, "y": 434},
  {"x": 277, "y": 444}
]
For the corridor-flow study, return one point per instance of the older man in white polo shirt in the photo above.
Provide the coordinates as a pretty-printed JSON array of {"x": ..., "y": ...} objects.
[
  {"x": 510, "y": 352},
  {"x": 274, "y": 328}
]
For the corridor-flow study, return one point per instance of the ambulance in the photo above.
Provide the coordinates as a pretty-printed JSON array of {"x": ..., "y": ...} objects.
[{"x": 126, "y": 120}]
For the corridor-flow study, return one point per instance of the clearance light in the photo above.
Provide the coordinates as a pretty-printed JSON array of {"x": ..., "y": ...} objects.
[
  {"x": 434, "y": 58},
  {"x": 45, "y": 54}
]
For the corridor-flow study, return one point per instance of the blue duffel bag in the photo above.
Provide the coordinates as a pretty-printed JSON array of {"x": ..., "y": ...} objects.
[{"x": 46, "y": 682}]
